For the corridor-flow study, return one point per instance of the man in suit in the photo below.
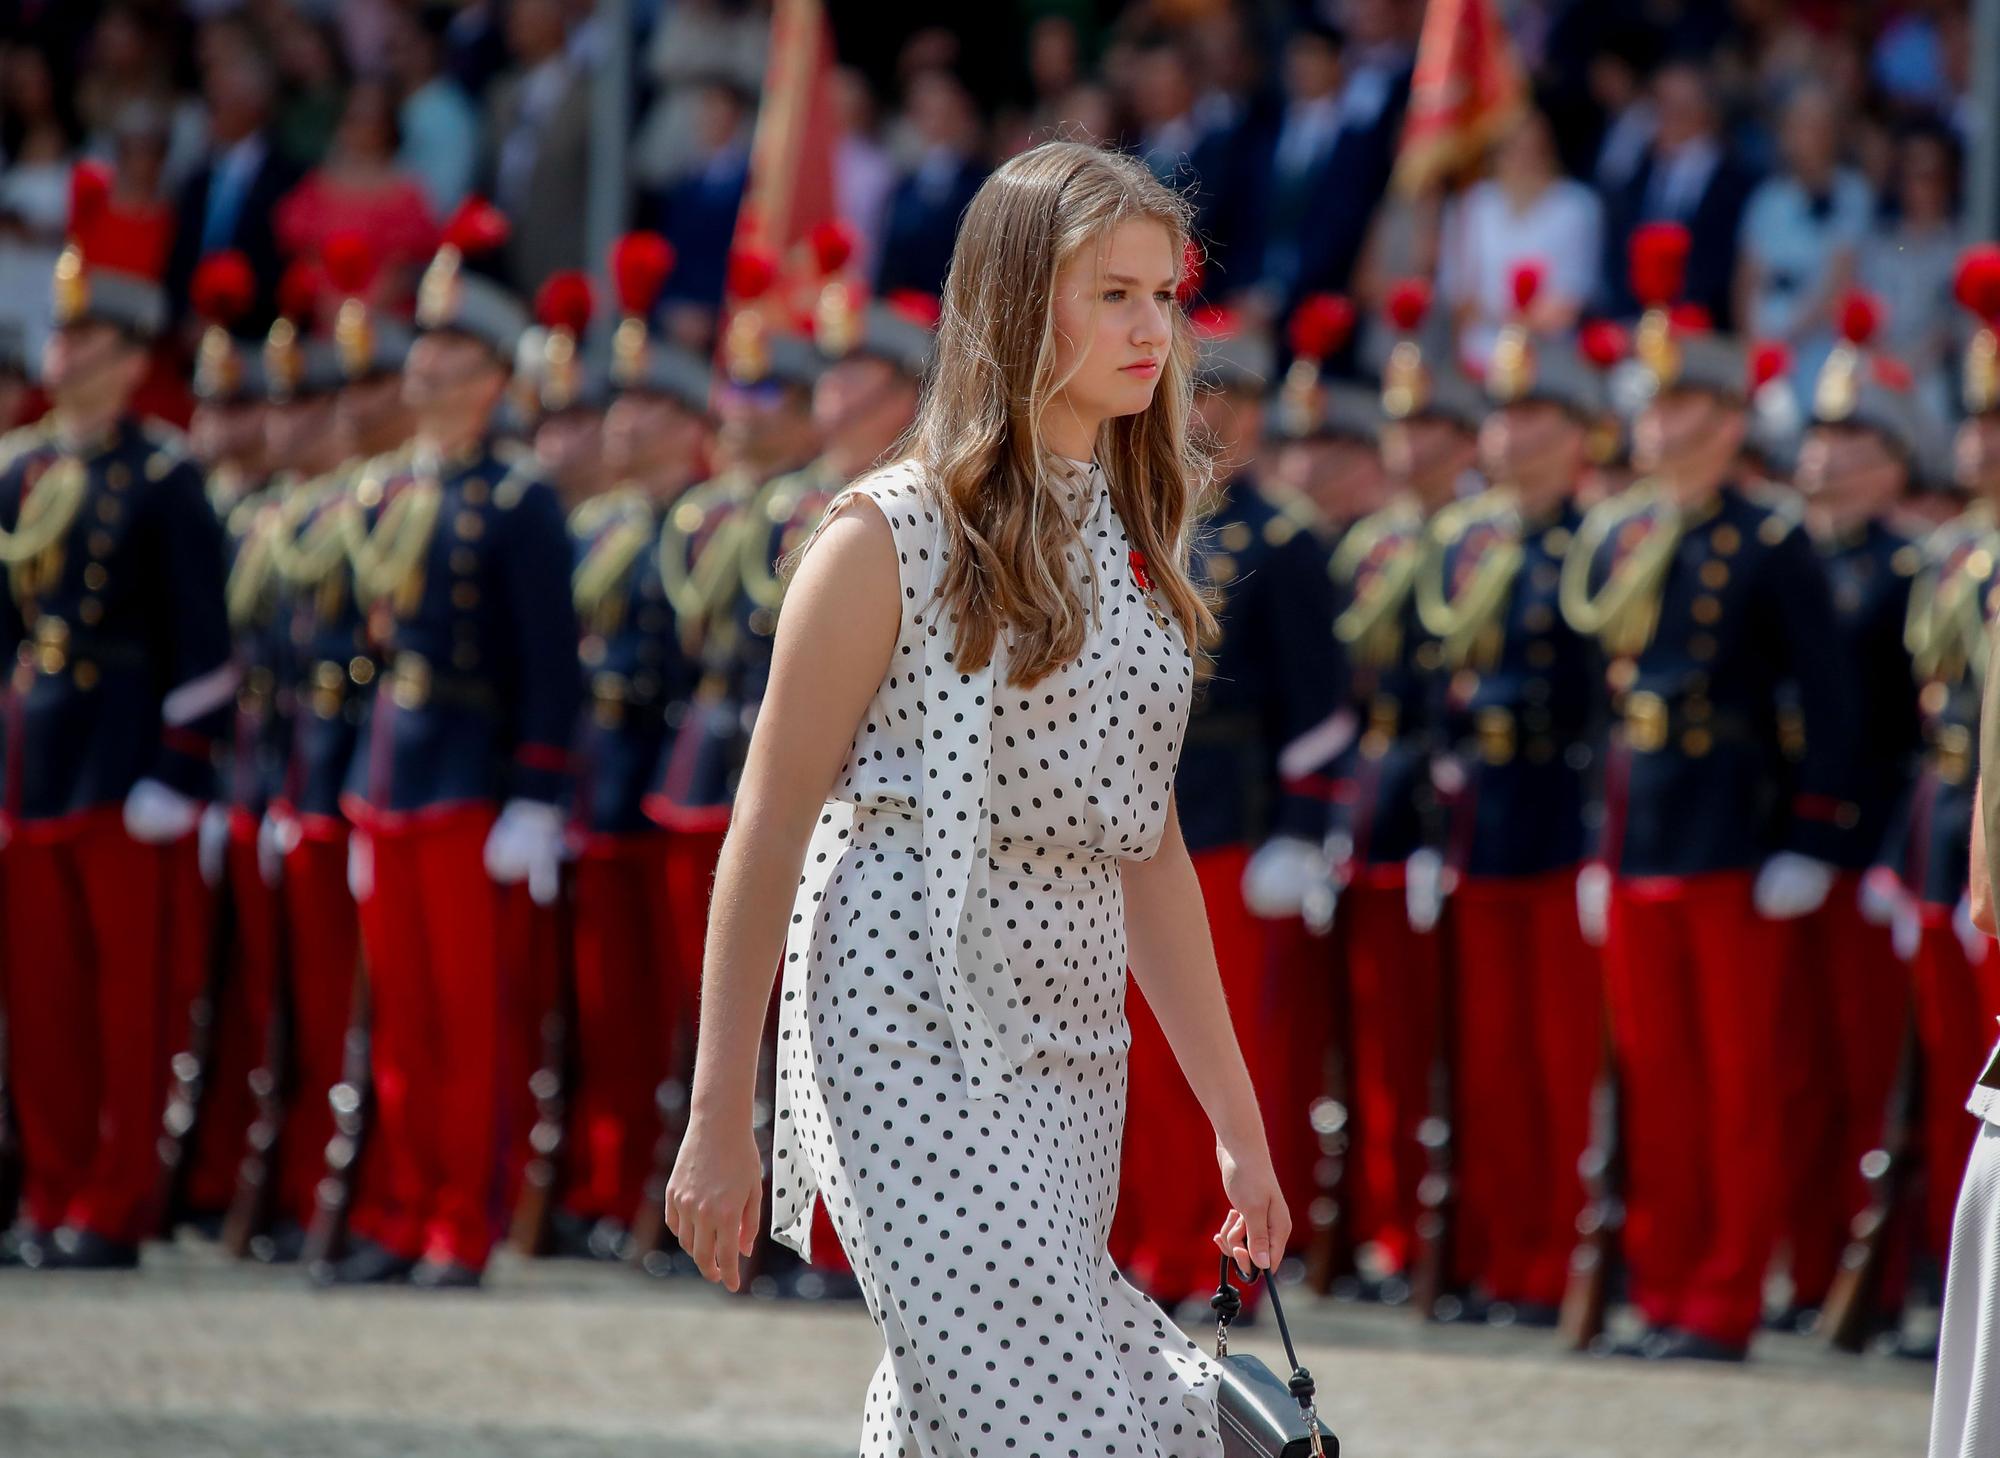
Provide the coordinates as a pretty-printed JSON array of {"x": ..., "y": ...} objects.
[
  {"x": 230, "y": 200},
  {"x": 1311, "y": 181},
  {"x": 538, "y": 143},
  {"x": 1184, "y": 145},
  {"x": 1686, "y": 176},
  {"x": 925, "y": 207},
  {"x": 697, "y": 214}
]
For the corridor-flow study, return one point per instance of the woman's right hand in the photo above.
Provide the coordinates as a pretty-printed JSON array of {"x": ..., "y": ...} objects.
[{"x": 713, "y": 1197}]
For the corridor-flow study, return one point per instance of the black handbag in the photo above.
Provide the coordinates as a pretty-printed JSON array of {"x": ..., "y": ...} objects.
[{"x": 1262, "y": 1414}]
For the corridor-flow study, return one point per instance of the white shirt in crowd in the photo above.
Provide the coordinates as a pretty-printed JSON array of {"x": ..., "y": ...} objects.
[{"x": 1483, "y": 241}]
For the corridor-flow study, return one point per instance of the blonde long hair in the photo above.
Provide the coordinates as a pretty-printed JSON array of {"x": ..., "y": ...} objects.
[{"x": 977, "y": 435}]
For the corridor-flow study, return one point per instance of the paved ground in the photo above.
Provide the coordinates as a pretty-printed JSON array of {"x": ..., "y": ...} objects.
[{"x": 563, "y": 1360}]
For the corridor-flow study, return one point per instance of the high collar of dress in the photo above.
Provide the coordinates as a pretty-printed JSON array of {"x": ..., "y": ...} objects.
[{"x": 1082, "y": 485}]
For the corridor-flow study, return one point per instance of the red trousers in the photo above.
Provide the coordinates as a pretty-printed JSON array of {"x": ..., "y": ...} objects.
[
  {"x": 325, "y": 954},
  {"x": 1291, "y": 1030},
  {"x": 101, "y": 933},
  {"x": 1844, "y": 1022},
  {"x": 1529, "y": 998},
  {"x": 1956, "y": 1000},
  {"x": 1695, "y": 981},
  {"x": 626, "y": 1007},
  {"x": 690, "y": 857},
  {"x": 1393, "y": 1004},
  {"x": 240, "y": 1020},
  {"x": 1170, "y": 1199},
  {"x": 432, "y": 929}
]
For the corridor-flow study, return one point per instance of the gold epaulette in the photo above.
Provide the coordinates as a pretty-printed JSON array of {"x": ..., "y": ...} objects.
[{"x": 22, "y": 439}]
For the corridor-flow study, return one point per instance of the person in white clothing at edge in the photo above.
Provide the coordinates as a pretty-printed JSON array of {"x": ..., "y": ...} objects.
[
  {"x": 1965, "y": 1412},
  {"x": 978, "y": 695}
]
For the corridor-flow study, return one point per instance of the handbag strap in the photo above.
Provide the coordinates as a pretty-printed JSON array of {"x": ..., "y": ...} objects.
[{"x": 1228, "y": 1306}]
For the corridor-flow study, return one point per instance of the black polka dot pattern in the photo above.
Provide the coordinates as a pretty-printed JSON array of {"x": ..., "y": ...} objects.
[{"x": 952, "y": 1033}]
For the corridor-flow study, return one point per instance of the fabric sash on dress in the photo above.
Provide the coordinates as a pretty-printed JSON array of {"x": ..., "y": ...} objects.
[{"x": 981, "y": 995}]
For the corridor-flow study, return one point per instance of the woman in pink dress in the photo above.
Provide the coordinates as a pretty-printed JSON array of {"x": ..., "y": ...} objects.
[{"x": 359, "y": 189}]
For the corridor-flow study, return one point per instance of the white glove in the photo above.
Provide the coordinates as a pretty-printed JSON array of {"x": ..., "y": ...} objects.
[
  {"x": 527, "y": 841},
  {"x": 1790, "y": 886},
  {"x": 211, "y": 844},
  {"x": 1593, "y": 903},
  {"x": 157, "y": 813},
  {"x": 1976, "y": 943},
  {"x": 1906, "y": 932},
  {"x": 1280, "y": 874},
  {"x": 1881, "y": 896},
  {"x": 360, "y": 866},
  {"x": 1426, "y": 883},
  {"x": 276, "y": 836}
]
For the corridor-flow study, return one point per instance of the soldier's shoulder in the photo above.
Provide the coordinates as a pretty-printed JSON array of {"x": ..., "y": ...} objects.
[
  {"x": 1452, "y": 522},
  {"x": 1900, "y": 548},
  {"x": 165, "y": 450},
  {"x": 1772, "y": 512},
  {"x": 521, "y": 476},
  {"x": 22, "y": 441}
]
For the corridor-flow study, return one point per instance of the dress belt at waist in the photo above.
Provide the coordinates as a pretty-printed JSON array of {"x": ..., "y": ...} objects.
[{"x": 893, "y": 827}]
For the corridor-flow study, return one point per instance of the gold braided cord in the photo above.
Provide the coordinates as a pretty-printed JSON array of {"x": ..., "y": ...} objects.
[
  {"x": 772, "y": 511},
  {"x": 1945, "y": 627},
  {"x": 1461, "y": 621},
  {"x": 1371, "y": 624},
  {"x": 1623, "y": 613},
  {"x": 698, "y": 590},
  {"x": 618, "y": 526},
  {"x": 248, "y": 593},
  {"x": 48, "y": 513},
  {"x": 386, "y": 557},
  {"x": 318, "y": 525}
]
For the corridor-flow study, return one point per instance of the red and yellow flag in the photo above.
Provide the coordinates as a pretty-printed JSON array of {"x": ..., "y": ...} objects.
[{"x": 1467, "y": 90}]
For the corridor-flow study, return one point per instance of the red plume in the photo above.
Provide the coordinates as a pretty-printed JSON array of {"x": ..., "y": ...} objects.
[
  {"x": 1321, "y": 325},
  {"x": 1860, "y": 316},
  {"x": 298, "y": 290},
  {"x": 1659, "y": 257},
  {"x": 349, "y": 261},
  {"x": 1526, "y": 283},
  {"x": 565, "y": 301},
  {"x": 477, "y": 227},
  {"x": 832, "y": 244},
  {"x": 1691, "y": 318},
  {"x": 1409, "y": 301},
  {"x": 1769, "y": 360},
  {"x": 1603, "y": 343},
  {"x": 223, "y": 287},
  {"x": 640, "y": 263},
  {"x": 1192, "y": 271},
  {"x": 752, "y": 271},
  {"x": 89, "y": 194},
  {"x": 1978, "y": 283},
  {"x": 915, "y": 305}
]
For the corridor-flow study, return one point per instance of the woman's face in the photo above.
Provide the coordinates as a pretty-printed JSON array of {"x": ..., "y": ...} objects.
[{"x": 1114, "y": 308}]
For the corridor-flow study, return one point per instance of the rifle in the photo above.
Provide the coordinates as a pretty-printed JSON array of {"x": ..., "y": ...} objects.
[
  {"x": 181, "y": 1123},
  {"x": 1855, "y": 1305},
  {"x": 534, "y": 1209},
  {"x": 352, "y": 1100},
  {"x": 1437, "y": 1192},
  {"x": 1600, "y": 1226},
  {"x": 1330, "y": 1256},
  {"x": 246, "y": 1228},
  {"x": 649, "y": 1221}
]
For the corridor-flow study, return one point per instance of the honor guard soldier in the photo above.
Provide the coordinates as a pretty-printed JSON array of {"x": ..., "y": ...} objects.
[
  {"x": 1716, "y": 824},
  {"x": 226, "y": 429},
  {"x": 300, "y": 443},
  {"x": 1955, "y": 974},
  {"x": 764, "y": 428},
  {"x": 562, "y": 395},
  {"x": 1520, "y": 774},
  {"x": 1852, "y": 992},
  {"x": 330, "y": 669},
  {"x": 462, "y": 765},
  {"x": 631, "y": 1001},
  {"x": 121, "y": 684},
  {"x": 1431, "y": 418}
]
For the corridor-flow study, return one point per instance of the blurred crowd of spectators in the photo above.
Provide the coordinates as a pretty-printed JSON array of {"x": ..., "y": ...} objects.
[{"x": 1807, "y": 146}]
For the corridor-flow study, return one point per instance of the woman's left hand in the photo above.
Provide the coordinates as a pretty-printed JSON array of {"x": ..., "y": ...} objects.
[{"x": 1258, "y": 1226}]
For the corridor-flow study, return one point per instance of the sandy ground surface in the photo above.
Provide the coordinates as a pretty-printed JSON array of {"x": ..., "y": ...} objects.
[{"x": 561, "y": 1359}]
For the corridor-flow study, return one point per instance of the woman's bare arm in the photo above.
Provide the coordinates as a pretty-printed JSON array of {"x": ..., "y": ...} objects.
[
  {"x": 1981, "y": 885},
  {"x": 1173, "y": 960},
  {"x": 831, "y": 652}
]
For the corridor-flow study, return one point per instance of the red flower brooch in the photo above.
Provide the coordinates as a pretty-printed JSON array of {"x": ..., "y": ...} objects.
[{"x": 1139, "y": 573}]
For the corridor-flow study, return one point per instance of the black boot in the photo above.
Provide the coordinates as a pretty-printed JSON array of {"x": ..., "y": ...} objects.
[
  {"x": 72, "y": 1248},
  {"x": 368, "y": 1264},
  {"x": 436, "y": 1275}
]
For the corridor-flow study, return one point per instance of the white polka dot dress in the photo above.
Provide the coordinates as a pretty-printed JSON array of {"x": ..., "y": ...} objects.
[{"x": 952, "y": 1033}]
